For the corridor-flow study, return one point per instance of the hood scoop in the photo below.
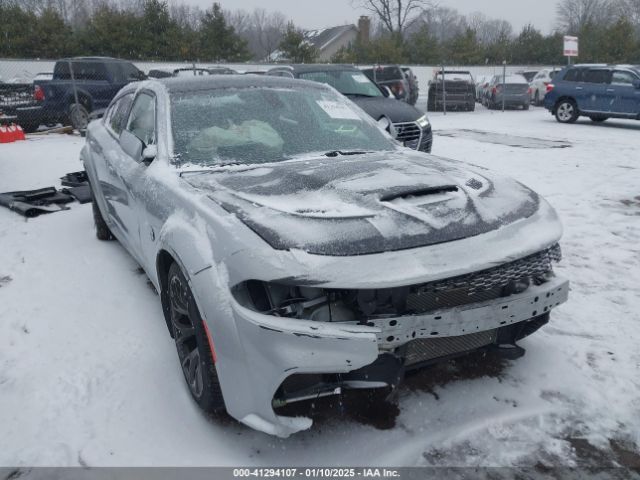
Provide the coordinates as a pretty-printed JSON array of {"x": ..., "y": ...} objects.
[{"x": 417, "y": 193}]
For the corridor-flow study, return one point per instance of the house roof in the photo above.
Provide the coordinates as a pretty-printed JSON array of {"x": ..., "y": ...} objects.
[{"x": 322, "y": 38}]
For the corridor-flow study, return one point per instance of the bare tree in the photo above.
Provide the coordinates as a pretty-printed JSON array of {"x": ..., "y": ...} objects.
[
  {"x": 442, "y": 22},
  {"x": 572, "y": 15},
  {"x": 262, "y": 29},
  {"x": 395, "y": 15},
  {"x": 489, "y": 30}
]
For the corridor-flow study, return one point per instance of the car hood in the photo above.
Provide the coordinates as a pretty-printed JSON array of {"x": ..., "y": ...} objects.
[
  {"x": 367, "y": 204},
  {"x": 395, "y": 110}
]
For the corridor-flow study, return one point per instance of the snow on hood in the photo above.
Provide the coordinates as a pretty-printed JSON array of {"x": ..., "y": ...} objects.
[{"x": 368, "y": 204}]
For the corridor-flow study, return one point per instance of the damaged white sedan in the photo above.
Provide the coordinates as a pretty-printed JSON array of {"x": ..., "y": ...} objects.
[{"x": 298, "y": 250}]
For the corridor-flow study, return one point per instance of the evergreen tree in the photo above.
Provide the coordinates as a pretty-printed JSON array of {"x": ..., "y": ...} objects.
[
  {"x": 294, "y": 47},
  {"x": 218, "y": 40}
]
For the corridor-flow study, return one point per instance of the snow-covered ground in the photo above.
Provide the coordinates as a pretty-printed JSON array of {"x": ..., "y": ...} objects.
[{"x": 89, "y": 375}]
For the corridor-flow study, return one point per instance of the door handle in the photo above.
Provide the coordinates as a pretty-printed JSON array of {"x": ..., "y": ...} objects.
[
  {"x": 112, "y": 170},
  {"x": 578, "y": 88},
  {"x": 611, "y": 89}
]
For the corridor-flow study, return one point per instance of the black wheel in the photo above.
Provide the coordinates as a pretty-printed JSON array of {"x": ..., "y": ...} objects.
[
  {"x": 102, "y": 229},
  {"x": 567, "y": 111},
  {"x": 598, "y": 118},
  {"x": 536, "y": 99},
  {"x": 78, "y": 116},
  {"x": 192, "y": 343},
  {"x": 525, "y": 106},
  {"x": 472, "y": 107}
]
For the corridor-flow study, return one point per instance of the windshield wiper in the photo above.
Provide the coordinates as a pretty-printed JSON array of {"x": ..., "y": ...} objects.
[
  {"x": 354, "y": 94},
  {"x": 335, "y": 153}
]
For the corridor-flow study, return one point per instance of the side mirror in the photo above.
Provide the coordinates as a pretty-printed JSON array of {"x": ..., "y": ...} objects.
[
  {"x": 131, "y": 145},
  {"x": 386, "y": 91}
]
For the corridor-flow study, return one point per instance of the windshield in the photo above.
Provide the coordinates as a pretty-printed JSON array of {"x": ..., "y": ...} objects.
[
  {"x": 261, "y": 124},
  {"x": 347, "y": 82}
]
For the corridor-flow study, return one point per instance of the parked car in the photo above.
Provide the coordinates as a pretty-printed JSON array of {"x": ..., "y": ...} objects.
[
  {"x": 403, "y": 121},
  {"x": 455, "y": 88},
  {"x": 393, "y": 77},
  {"x": 299, "y": 251},
  {"x": 539, "y": 84},
  {"x": 97, "y": 80},
  {"x": 510, "y": 90},
  {"x": 414, "y": 88},
  {"x": 596, "y": 91},
  {"x": 528, "y": 74}
]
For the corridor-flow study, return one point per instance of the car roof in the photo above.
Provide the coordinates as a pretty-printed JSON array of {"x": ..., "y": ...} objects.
[
  {"x": 212, "y": 82},
  {"x": 315, "y": 67},
  {"x": 92, "y": 59}
]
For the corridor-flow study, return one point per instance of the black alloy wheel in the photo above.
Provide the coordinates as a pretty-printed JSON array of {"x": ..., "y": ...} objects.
[{"x": 192, "y": 343}]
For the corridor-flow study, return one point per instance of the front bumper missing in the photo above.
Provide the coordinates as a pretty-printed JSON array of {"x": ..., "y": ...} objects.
[
  {"x": 475, "y": 317},
  {"x": 275, "y": 348}
]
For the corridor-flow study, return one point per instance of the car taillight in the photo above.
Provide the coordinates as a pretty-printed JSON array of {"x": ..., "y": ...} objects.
[
  {"x": 494, "y": 90},
  {"x": 550, "y": 87},
  {"x": 38, "y": 94},
  {"x": 529, "y": 90}
]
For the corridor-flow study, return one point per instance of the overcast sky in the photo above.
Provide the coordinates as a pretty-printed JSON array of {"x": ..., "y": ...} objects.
[{"x": 323, "y": 13}]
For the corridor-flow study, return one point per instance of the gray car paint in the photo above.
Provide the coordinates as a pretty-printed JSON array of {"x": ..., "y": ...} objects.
[{"x": 154, "y": 210}]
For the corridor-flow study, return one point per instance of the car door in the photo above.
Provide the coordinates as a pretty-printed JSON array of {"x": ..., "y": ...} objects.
[
  {"x": 626, "y": 95},
  {"x": 91, "y": 76},
  {"x": 597, "y": 94},
  {"x": 126, "y": 172},
  {"x": 106, "y": 146}
]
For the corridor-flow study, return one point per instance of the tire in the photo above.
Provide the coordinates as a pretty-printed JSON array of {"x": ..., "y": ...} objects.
[
  {"x": 102, "y": 229},
  {"x": 192, "y": 343},
  {"x": 472, "y": 107},
  {"x": 598, "y": 118},
  {"x": 566, "y": 111},
  {"x": 78, "y": 116},
  {"x": 536, "y": 99},
  {"x": 525, "y": 106}
]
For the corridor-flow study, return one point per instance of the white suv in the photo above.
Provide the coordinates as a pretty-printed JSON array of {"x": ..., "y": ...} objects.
[{"x": 538, "y": 86}]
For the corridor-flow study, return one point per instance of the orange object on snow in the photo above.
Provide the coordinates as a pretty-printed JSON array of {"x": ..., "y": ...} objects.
[
  {"x": 19, "y": 135},
  {"x": 5, "y": 135}
]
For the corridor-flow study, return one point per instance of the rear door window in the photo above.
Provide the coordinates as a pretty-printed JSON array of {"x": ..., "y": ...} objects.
[
  {"x": 597, "y": 76},
  {"x": 89, "y": 71},
  {"x": 573, "y": 75}
]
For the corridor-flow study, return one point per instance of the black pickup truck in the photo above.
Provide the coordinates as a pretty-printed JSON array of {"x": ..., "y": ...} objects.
[
  {"x": 79, "y": 86},
  {"x": 453, "y": 89}
]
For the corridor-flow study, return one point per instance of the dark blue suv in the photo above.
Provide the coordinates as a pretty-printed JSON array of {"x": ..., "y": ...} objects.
[{"x": 596, "y": 91}]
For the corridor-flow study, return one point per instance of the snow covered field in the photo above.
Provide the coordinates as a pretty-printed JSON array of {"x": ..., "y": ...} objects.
[{"x": 89, "y": 374}]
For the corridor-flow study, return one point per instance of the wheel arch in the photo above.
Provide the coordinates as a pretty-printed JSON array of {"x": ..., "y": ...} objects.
[
  {"x": 559, "y": 100},
  {"x": 84, "y": 98}
]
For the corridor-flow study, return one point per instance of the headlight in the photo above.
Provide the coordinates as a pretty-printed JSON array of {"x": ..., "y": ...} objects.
[{"x": 423, "y": 121}]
